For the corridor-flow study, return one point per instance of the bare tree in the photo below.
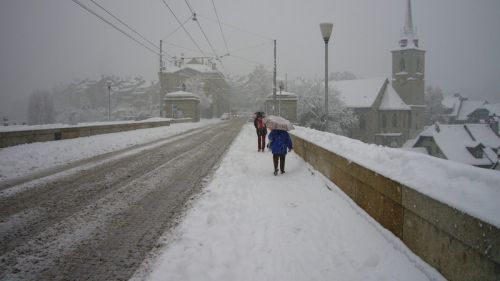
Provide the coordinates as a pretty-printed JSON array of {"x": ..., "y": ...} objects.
[{"x": 40, "y": 108}]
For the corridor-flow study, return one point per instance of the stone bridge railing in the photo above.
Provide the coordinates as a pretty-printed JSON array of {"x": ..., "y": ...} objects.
[
  {"x": 10, "y": 138},
  {"x": 459, "y": 246}
]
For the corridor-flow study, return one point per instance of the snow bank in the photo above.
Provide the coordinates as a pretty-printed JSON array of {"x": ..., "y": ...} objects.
[
  {"x": 251, "y": 225},
  {"x": 21, "y": 160},
  {"x": 473, "y": 190},
  {"x": 16, "y": 128}
]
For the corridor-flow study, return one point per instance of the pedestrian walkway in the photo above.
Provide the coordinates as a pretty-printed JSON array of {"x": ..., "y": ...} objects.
[{"x": 251, "y": 225}]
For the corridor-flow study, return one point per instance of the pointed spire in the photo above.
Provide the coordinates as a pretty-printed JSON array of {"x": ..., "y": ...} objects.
[
  {"x": 409, "y": 33},
  {"x": 409, "y": 30}
]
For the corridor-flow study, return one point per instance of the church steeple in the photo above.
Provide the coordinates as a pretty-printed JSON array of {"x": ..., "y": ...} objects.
[{"x": 409, "y": 33}]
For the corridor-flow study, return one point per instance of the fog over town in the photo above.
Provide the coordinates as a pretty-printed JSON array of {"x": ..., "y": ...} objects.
[
  {"x": 45, "y": 44},
  {"x": 128, "y": 140}
]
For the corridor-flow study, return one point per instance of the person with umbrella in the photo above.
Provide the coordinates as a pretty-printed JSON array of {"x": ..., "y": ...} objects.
[
  {"x": 279, "y": 140},
  {"x": 261, "y": 130}
]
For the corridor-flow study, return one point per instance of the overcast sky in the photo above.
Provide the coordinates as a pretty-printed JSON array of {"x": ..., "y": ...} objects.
[{"x": 54, "y": 41}]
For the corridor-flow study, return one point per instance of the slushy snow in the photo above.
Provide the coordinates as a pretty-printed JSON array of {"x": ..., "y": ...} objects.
[{"x": 20, "y": 160}]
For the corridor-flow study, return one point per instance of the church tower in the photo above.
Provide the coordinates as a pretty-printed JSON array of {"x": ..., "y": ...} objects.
[{"x": 408, "y": 72}]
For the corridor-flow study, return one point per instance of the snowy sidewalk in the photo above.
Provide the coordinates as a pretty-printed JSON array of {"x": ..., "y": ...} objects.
[{"x": 251, "y": 225}]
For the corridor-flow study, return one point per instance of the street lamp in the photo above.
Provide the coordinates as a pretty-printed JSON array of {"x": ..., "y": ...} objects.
[
  {"x": 326, "y": 31},
  {"x": 109, "y": 101}
]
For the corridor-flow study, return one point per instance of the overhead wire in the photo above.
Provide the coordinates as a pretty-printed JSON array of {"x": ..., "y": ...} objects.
[
  {"x": 220, "y": 26},
  {"x": 202, "y": 31},
  {"x": 185, "y": 30},
  {"x": 251, "y": 47},
  {"x": 237, "y": 28},
  {"x": 179, "y": 27},
  {"x": 114, "y": 26}
]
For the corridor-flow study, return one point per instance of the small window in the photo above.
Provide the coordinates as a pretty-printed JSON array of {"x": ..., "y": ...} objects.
[
  {"x": 402, "y": 64},
  {"x": 394, "y": 120},
  {"x": 362, "y": 123},
  {"x": 384, "y": 121}
]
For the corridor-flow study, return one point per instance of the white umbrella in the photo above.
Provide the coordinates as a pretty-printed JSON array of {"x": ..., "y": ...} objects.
[{"x": 278, "y": 123}]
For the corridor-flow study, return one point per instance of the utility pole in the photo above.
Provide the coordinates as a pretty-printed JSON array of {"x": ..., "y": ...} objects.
[
  {"x": 274, "y": 81},
  {"x": 109, "y": 101},
  {"x": 161, "y": 78}
]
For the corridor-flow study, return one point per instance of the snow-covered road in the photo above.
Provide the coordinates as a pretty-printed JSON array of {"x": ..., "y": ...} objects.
[{"x": 251, "y": 225}]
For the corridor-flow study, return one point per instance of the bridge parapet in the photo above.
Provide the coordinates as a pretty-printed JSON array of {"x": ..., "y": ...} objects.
[{"x": 460, "y": 246}]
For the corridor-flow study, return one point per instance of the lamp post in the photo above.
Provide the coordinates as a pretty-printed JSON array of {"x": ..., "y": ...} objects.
[
  {"x": 109, "y": 101},
  {"x": 326, "y": 31}
]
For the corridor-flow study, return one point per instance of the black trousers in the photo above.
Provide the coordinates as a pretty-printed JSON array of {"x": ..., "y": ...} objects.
[{"x": 281, "y": 158}]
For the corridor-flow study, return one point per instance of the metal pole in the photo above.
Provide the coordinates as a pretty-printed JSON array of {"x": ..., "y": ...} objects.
[
  {"x": 274, "y": 81},
  {"x": 109, "y": 102},
  {"x": 326, "y": 86},
  {"x": 279, "y": 103},
  {"x": 161, "y": 78}
]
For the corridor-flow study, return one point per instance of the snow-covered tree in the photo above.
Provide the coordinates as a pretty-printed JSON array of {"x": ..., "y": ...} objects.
[
  {"x": 434, "y": 107},
  {"x": 250, "y": 91},
  {"x": 311, "y": 109},
  {"x": 337, "y": 76},
  {"x": 40, "y": 108}
]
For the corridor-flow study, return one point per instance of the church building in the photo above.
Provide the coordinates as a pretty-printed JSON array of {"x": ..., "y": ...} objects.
[{"x": 390, "y": 111}]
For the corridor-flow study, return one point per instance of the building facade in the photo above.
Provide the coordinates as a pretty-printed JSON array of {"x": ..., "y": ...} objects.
[
  {"x": 201, "y": 77},
  {"x": 182, "y": 104},
  {"x": 286, "y": 105}
]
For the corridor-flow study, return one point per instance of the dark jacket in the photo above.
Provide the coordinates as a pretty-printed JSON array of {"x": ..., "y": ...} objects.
[
  {"x": 261, "y": 131},
  {"x": 279, "y": 141}
]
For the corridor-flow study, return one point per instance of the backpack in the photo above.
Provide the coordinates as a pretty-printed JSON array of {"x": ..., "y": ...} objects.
[{"x": 260, "y": 123}]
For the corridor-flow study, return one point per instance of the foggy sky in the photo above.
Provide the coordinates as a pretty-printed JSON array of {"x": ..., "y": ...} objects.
[{"x": 43, "y": 43}]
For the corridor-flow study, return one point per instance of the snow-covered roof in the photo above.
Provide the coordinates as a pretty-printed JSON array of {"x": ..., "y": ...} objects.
[
  {"x": 469, "y": 106},
  {"x": 181, "y": 95},
  {"x": 453, "y": 141},
  {"x": 358, "y": 93},
  {"x": 484, "y": 134},
  {"x": 194, "y": 66},
  {"x": 283, "y": 96},
  {"x": 392, "y": 101},
  {"x": 453, "y": 103},
  {"x": 493, "y": 108}
]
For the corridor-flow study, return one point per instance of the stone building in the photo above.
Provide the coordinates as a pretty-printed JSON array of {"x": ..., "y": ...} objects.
[
  {"x": 383, "y": 116},
  {"x": 390, "y": 111},
  {"x": 201, "y": 77},
  {"x": 182, "y": 104},
  {"x": 408, "y": 71},
  {"x": 286, "y": 105}
]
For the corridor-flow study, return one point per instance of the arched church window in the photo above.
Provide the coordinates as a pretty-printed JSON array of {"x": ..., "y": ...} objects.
[
  {"x": 402, "y": 64},
  {"x": 394, "y": 120},
  {"x": 418, "y": 65}
]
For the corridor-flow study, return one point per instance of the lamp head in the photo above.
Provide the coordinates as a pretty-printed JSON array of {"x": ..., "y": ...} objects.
[{"x": 326, "y": 30}]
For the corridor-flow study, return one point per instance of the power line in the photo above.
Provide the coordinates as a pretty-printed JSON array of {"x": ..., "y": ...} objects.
[
  {"x": 251, "y": 47},
  {"x": 185, "y": 30},
  {"x": 114, "y": 26},
  {"x": 199, "y": 25},
  {"x": 238, "y": 28},
  {"x": 220, "y": 26},
  {"x": 179, "y": 27},
  {"x": 129, "y": 27}
]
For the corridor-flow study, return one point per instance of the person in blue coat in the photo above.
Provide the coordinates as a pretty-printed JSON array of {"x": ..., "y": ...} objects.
[{"x": 279, "y": 142}]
